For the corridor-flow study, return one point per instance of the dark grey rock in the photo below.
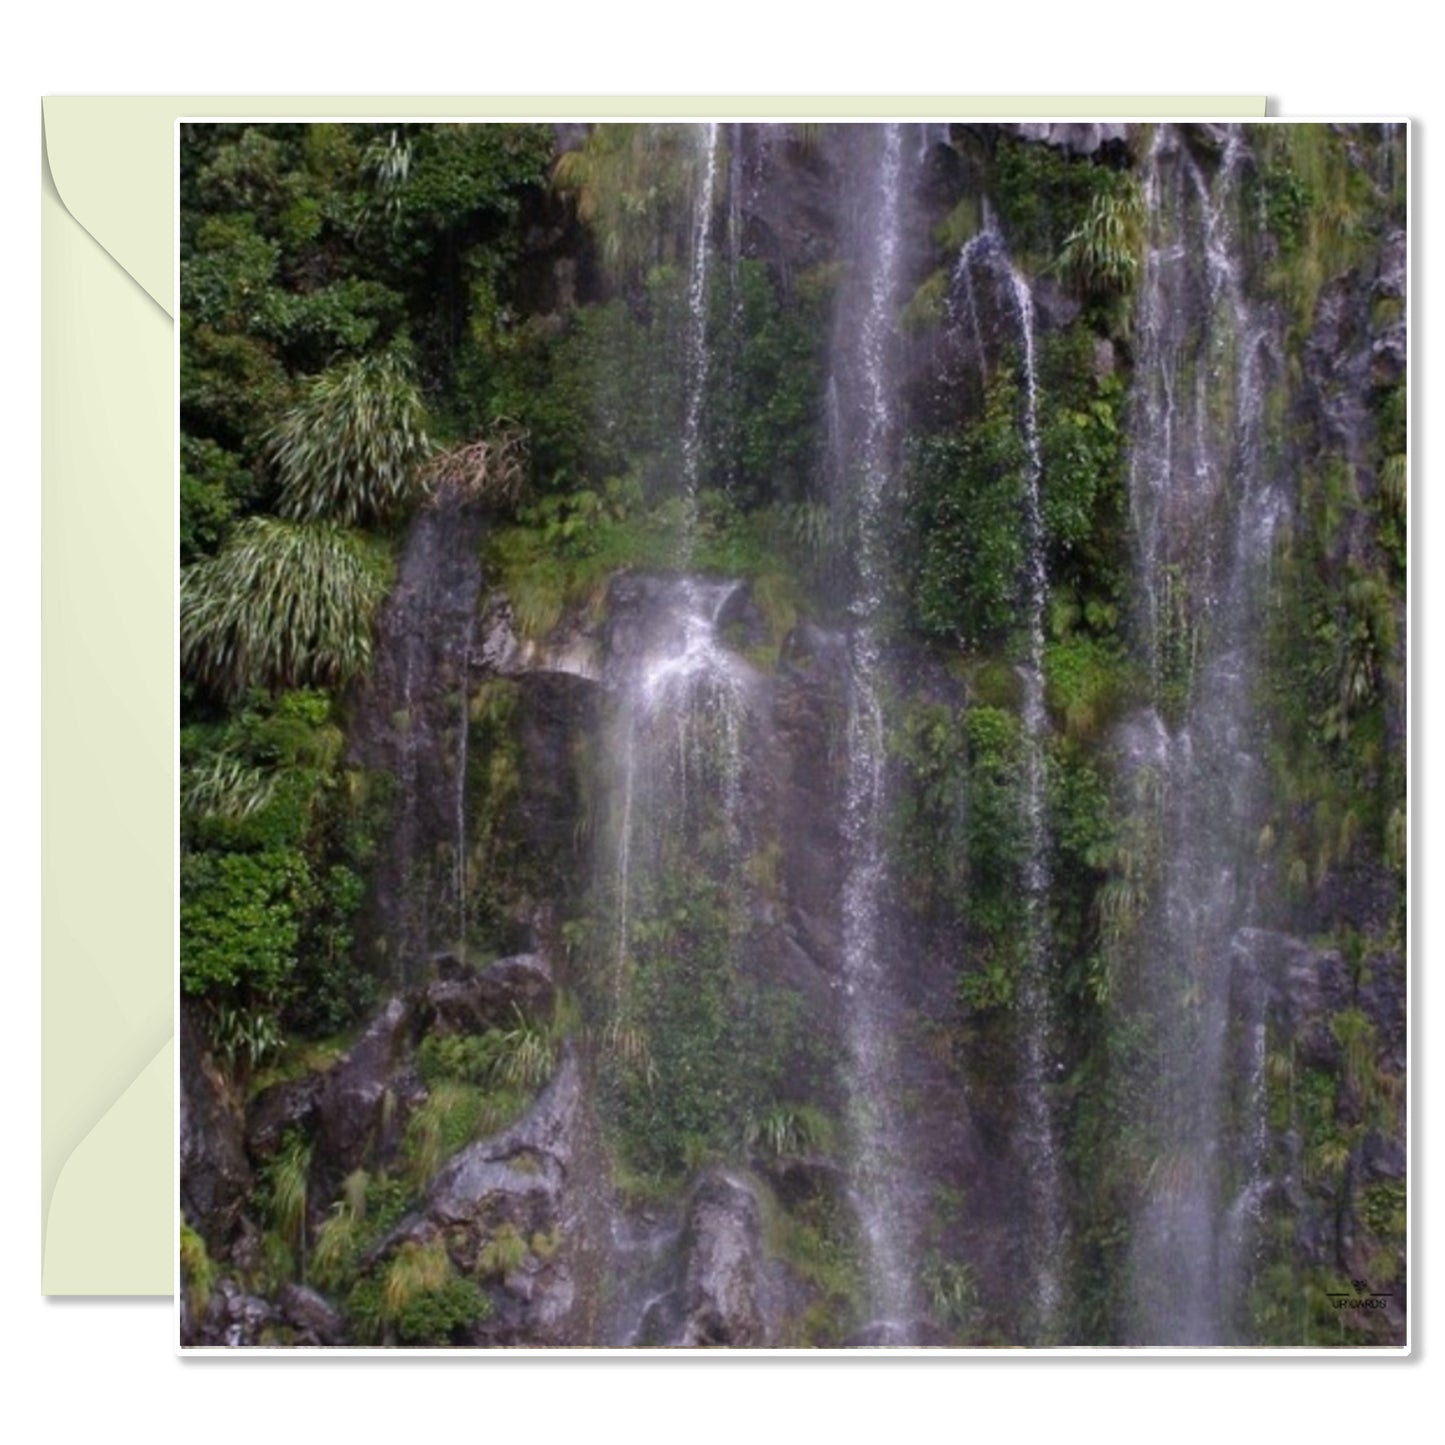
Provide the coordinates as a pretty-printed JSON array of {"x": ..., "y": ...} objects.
[
  {"x": 279, "y": 1110},
  {"x": 496, "y": 648},
  {"x": 1381, "y": 995},
  {"x": 741, "y": 622},
  {"x": 215, "y": 1176},
  {"x": 310, "y": 1314},
  {"x": 1303, "y": 988},
  {"x": 470, "y": 1001},
  {"x": 556, "y": 710},
  {"x": 1383, "y": 1158},
  {"x": 359, "y": 1122},
  {"x": 1054, "y": 307},
  {"x": 1391, "y": 273},
  {"x": 231, "y": 1317}
]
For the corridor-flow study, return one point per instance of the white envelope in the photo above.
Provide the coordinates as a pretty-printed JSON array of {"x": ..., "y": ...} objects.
[{"x": 108, "y": 550}]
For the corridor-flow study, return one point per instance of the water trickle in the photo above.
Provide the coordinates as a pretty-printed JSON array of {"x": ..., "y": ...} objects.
[
  {"x": 409, "y": 723},
  {"x": 464, "y": 727},
  {"x": 987, "y": 252},
  {"x": 1204, "y": 516},
  {"x": 699, "y": 354}
]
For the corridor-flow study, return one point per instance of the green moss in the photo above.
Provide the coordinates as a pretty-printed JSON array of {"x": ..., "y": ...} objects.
[
  {"x": 960, "y": 226},
  {"x": 198, "y": 1270},
  {"x": 816, "y": 1238},
  {"x": 694, "y": 1051},
  {"x": 1318, "y": 206},
  {"x": 1382, "y": 1208},
  {"x": 1085, "y": 681},
  {"x": 928, "y": 306}
]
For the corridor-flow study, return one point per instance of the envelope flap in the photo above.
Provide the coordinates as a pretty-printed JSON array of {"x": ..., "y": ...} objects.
[
  {"x": 112, "y": 160},
  {"x": 110, "y": 1228}
]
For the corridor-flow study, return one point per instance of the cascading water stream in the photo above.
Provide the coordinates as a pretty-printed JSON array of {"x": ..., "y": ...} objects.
[
  {"x": 879, "y": 1169},
  {"x": 1204, "y": 519},
  {"x": 1040, "y": 1141},
  {"x": 699, "y": 355},
  {"x": 685, "y": 700},
  {"x": 644, "y": 694}
]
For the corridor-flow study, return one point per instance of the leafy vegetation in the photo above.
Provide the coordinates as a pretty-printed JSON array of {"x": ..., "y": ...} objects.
[
  {"x": 376, "y": 319},
  {"x": 283, "y": 605},
  {"x": 349, "y": 450}
]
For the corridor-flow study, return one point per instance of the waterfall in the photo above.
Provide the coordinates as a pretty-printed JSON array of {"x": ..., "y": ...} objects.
[
  {"x": 664, "y": 682},
  {"x": 683, "y": 702},
  {"x": 1204, "y": 516},
  {"x": 1034, "y": 993},
  {"x": 699, "y": 355},
  {"x": 865, "y": 379},
  {"x": 1040, "y": 1133}
]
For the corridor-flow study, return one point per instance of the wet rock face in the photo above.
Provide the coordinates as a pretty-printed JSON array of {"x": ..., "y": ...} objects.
[
  {"x": 467, "y": 1000},
  {"x": 725, "y": 1291},
  {"x": 557, "y": 709},
  {"x": 360, "y": 1106},
  {"x": 721, "y": 1296},
  {"x": 786, "y": 199},
  {"x": 406, "y": 720},
  {"x": 1301, "y": 987},
  {"x": 808, "y": 719},
  {"x": 215, "y": 1175}
]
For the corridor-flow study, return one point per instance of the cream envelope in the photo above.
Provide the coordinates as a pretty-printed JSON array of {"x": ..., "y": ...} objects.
[{"x": 108, "y": 607}]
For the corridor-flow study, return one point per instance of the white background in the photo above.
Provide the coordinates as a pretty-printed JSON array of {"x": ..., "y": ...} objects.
[{"x": 83, "y": 1368}]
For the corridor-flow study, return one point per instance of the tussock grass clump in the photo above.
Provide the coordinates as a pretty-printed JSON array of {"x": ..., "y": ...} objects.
[
  {"x": 349, "y": 450},
  {"x": 284, "y": 605},
  {"x": 225, "y": 786}
]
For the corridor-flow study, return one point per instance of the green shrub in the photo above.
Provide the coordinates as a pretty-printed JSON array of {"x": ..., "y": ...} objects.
[
  {"x": 238, "y": 919},
  {"x": 415, "y": 1299},
  {"x": 968, "y": 520},
  {"x": 1085, "y": 678}
]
